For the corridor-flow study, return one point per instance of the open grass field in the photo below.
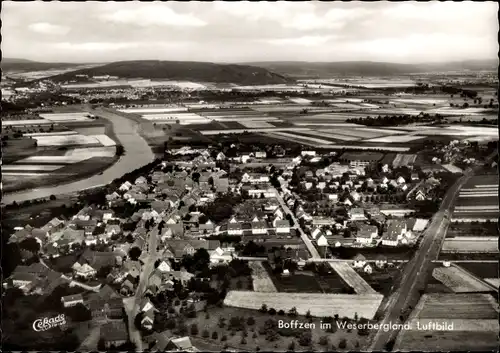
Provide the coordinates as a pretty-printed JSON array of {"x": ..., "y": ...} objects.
[
  {"x": 472, "y": 245},
  {"x": 459, "y": 281},
  {"x": 320, "y": 305},
  {"x": 260, "y": 278},
  {"x": 394, "y": 139},
  {"x": 66, "y": 117}
]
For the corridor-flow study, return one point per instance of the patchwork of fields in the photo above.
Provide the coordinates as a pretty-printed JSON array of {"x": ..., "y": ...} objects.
[{"x": 478, "y": 200}]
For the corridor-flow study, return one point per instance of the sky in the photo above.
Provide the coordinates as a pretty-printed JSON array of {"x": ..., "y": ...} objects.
[{"x": 406, "y": 32}]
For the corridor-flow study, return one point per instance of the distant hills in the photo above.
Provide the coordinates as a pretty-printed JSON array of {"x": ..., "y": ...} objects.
[
  {"x": 14, "y": 64},
  {"x": 368, "y": 68},
  {"x": 181, "y": 70}
]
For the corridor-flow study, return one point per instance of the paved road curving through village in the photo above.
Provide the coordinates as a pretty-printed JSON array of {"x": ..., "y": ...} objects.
[{"x": 137, "y": 154}]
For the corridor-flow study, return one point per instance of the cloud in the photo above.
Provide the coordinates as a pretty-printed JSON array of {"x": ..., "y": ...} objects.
[
  {"x": 94, "y": 46},
  {"x": 48, "y": 28},
  {"x": 308, "y": 41},
  {"x": 153, "y": 15}
]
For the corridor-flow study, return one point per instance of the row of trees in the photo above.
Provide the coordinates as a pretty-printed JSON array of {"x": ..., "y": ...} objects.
[{"x": 395, "y": 120}]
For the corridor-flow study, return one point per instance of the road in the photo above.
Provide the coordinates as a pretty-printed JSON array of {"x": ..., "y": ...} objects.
[
  {"x": 415, "y": 271},
  {"x": 132, "y": 305},
  {"x": 310, "y": 246},
  {"x": 137, "y": 154}
]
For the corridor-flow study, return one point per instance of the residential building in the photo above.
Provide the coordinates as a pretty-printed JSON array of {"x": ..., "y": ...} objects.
[
  {"x": 396, "y": 232},
  {"x": 72, "y": 300},
  {"x": 356, "y": 214},
  {"x": 366, "y": 234}
]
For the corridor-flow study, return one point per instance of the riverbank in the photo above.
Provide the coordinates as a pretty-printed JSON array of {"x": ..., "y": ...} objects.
[{"x": 137, "y": 154}]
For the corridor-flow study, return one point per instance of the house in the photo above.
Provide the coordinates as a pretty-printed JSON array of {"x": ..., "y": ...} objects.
[
  {"x": 54, "y": 225},
  {"x": 181, "y": 344},
  {"x": 220, "y": 256},
  {"x": 114, "y": 333},
  {"x": 396, "y": 232},
  {"x": 208, "y": 227},
  {"x": 282, "y": 226},
  {"x": 359, "y": 261},
  {"x": 72, "y": 300},
  {"x": 234, "y": 227},
  {"x": 355, "y": 196},
  {"x": 148, "y": 319},
  {"x": 258, "y": 226},
  {"x": 367, "y": 269},
  {"x": 164, "y": 266},
  {"x": 221, "y": 184},
  {"x": 414, "y": 177},
  {"x": 400, "y": 180},
  {"x": 420, "y": 195},
  {"x": 322, "y": 241},
  {"x": 380, "y": 261},
  {"x": 140, "y": 180},
  {"x": 308, "y": 153},
  {"x": 220, "y": 156},
  {"x": 357, "y": 159},
  {"x": 366, "y": 234},
  {"x": 127, "y": 288},
  {"x": 133, "y": 268},
  {"x": 125, "y": 186},
  {"x": 83, "y": 270},
  {"x": 261, "y": 154},
  {"x": 356, "y": 214},
  {"x": 316, "y": 232},
  {"x": 278, "y": 213},
  {"x": 333, "y": 197}
]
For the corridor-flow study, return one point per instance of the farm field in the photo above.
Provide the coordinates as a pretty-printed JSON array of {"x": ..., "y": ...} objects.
[
  {"x": 331, "y": 135},
  {"x": 27, "y": 167},
  {"x": 404, "y": 160},
  {"x": 471, "y": 229},
  {"x": 253, "y": 124},
  {"x": 66, "y": 117},
  {"x": 474, "y": 319},
  {"x": 493, "y": 281},
  {"x": 146, "y": 110},
  {"x": 459, "y": 281},
  {"x": 476, "y": 244},
  {"x": 320, "y": 305},
  {"x": 394, "y": 139},
  {"x": 260, "y": 278},
  {"x": 298, "y": 282},
  {"x": 67, "y": 140},
  {"x": 481, "y": 269},
  {"x": 240, "y": 131},
  {"x": 27, "y": 122}
]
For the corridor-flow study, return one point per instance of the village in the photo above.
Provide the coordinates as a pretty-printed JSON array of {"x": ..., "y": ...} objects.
[{"x": 168, "y": 233}]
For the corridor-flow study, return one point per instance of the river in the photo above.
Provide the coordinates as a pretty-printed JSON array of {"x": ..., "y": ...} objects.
[{"x": 137, "y": 154}]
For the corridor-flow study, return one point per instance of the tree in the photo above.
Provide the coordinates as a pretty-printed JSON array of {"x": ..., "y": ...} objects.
[
  {"x": 272, "y": 311},
  {"x": 120, "y": 150},
  {"x": 250, "y": 321},
  {"x": 293, "y": 312},
  {"x": 205, "y": 334},
  {"x": 30, "y": 244},
  {"x": 223, "y": 338},
  {"x": 343, "y": 343},
  {"x": 134, "y": 253},
  {"x": 243, "y": 340},
  {"x": 323, "y": 340},
  {"x": 194, "y": 329},
  {"x": 263, "y": 308},
  {"x": 222, "y": 322},
  {"x": 281, "y": 312},
  {"x": 291, "y": 346},
  {"x": 305, "y": 338},
  {"x": 52, "y": 197}
]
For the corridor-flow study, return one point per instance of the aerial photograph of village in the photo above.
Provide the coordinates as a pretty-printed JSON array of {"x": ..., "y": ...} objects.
[{"x": 250, "y": 176}]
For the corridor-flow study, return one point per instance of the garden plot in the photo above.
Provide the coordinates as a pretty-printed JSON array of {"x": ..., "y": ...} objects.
[
  {"x": 319, "y": 304},
  {"x": 29, "y": 168},
  {"x": 395, "y": 139},
  {"x": 404, "y": 159},
  {"x": 105, "y": 140},
  {"x": 332, "y": 135},
  {"x": 458, "y": 280},
  {"x": 260, "y": 278},
  {"x": 253, "y": 124},
  {"x": 145, "y": 110},
  {"x": 66, "y": 117},
  {"x": 477, "y": 244},
  {"x": 300, "y": 100},
  {"x": 67, "y": 140},
  {"x": 54, "y": 133},
  {"x": 26, "y": 122}
]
